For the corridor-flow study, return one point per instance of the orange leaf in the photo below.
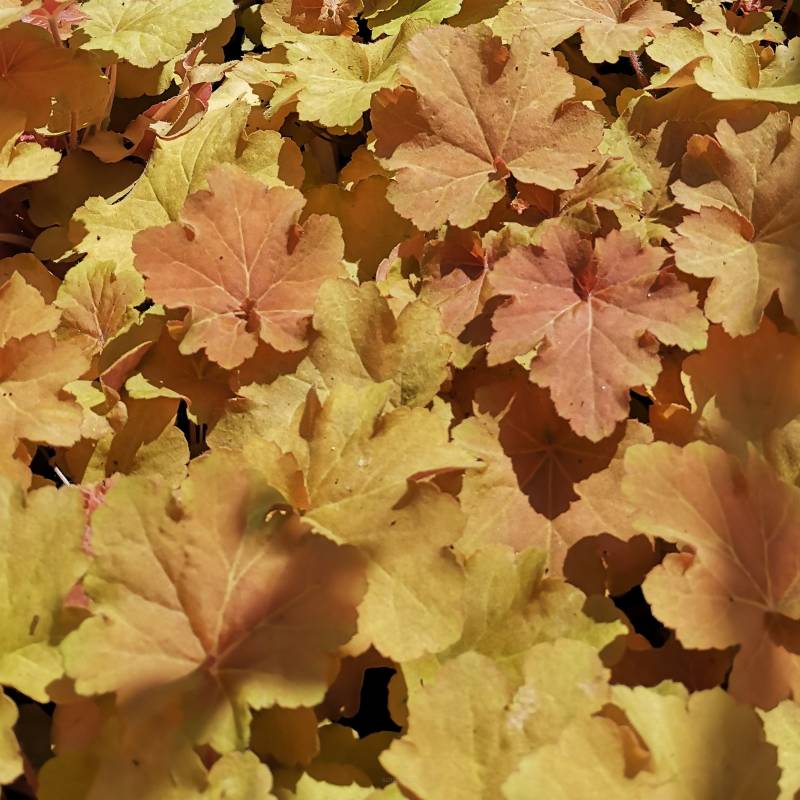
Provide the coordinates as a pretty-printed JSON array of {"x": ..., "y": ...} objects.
[
  {"x": 34, "y": 71},
  {"x": 742, "y": 586},
  {"x": 243, "y": 280},
  {"x": 745, "y": 234},
  {"x": 483, "y": 113},
  {"x": 223, "y": 589},
  {"x": 331, "y": 17},
  {"x": 587, "y": 314}
]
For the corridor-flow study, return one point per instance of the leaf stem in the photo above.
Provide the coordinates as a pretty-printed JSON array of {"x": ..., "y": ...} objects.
[
  {"x": 52, "y": 24},
  {"x": 785, "y": 13},
  {"x": 637, "y": 68},
  {"x": 112, "y": 88},
  {"x": 16, "y": 239},
  {"x": 102, "y": 122},
  {"x": 61, "y": 476},
  {"x": 72, "y": 142}
]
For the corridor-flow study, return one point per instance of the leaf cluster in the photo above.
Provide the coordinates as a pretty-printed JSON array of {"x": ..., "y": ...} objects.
[{"x": 446, "y": 343}]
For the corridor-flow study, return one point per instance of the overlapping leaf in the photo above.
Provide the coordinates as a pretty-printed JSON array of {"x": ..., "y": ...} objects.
[
  {"x": 147, "y": 32},
  {"x": 241, "y": 281},
  {"x": 586, "y": 315},
  {"x": 36, "y": 71},
  {"x": 608, "y": 29},
  {"x": 22, "y": 162},
  {"x": 739, "y": 585},
  {"x": 744, "y": 234},
  {"x": 226, "y": 594},
  {"x": 425, "y": 278},
  {"x": 361, "y": 343},
  {"x": 737, "y": 764},
  {"x": 176, "y": 169},
  {"x": 438, "y": 757},
  {"x": 363, "y": 485},
  {"x": 480, "y": 113},
  {"x": 42, "y": 560},
  {"x": 334, "y": 78},
  {"x": 743, "y": 394},
  {"x": 35, "y": 368}
]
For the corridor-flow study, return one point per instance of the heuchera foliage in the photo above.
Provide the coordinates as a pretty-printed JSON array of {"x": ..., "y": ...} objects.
[{"x": 399, "y": 399}]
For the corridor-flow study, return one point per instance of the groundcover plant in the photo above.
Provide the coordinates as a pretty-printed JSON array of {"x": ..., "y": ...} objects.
[{"x": 399, "y": 399}]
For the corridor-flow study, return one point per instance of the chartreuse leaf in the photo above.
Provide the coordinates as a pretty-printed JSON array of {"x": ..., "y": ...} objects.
[
  {"x": 389, "y": 20},
  {"x": 239, "y": 775},
  {"x": 146, "y": 32},
  {"x": 333, "y": 78},
  {"x": 440, "y": 757},
  {"x": 12, "y": 11},
  {"x": 414, "y": 603},
  {"x": 80, "y": 176},
  {"x": 361, "y": 343},
  {"x": 310, "y": 789},
  {"x": 701, "y": 745},
  {"x": 595, "y": 757},
  {"x": 224, "y": 599},
  {"x": 733, "y": 71},
  {"x": 22, "y": 162},
  {"x": 272, "y": 412},
  {"x": 177, "y": 168},
  {"x": 782, "y": 727},
  {"x": 729, "y": 67},
  {"x": 587, "y": 761},
  {"x": 757, "y": 25},
  {"x": 363, "y": 466},
  {"x": 348, "y": 465},
  {"x": 512, "y": 605},
  {"x": 42, "y": 560}
]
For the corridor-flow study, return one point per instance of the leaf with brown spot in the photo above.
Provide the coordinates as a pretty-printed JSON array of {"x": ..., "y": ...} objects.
[
  {"x": 590, "y": 315},
  {"x": 242, "y": 281},
  {"x": 482, "y": 113}
]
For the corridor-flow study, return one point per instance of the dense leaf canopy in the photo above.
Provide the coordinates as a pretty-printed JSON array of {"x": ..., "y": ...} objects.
[{"x": 400, "y": 399}]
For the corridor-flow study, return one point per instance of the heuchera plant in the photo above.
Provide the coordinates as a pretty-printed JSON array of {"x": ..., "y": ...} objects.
[{"x": 399, "y": 399}]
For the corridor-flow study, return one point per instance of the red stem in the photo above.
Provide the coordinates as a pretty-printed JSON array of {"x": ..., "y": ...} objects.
[
  {"x": 637, "y": 68},
  {"x": 54, "y": 32}
]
